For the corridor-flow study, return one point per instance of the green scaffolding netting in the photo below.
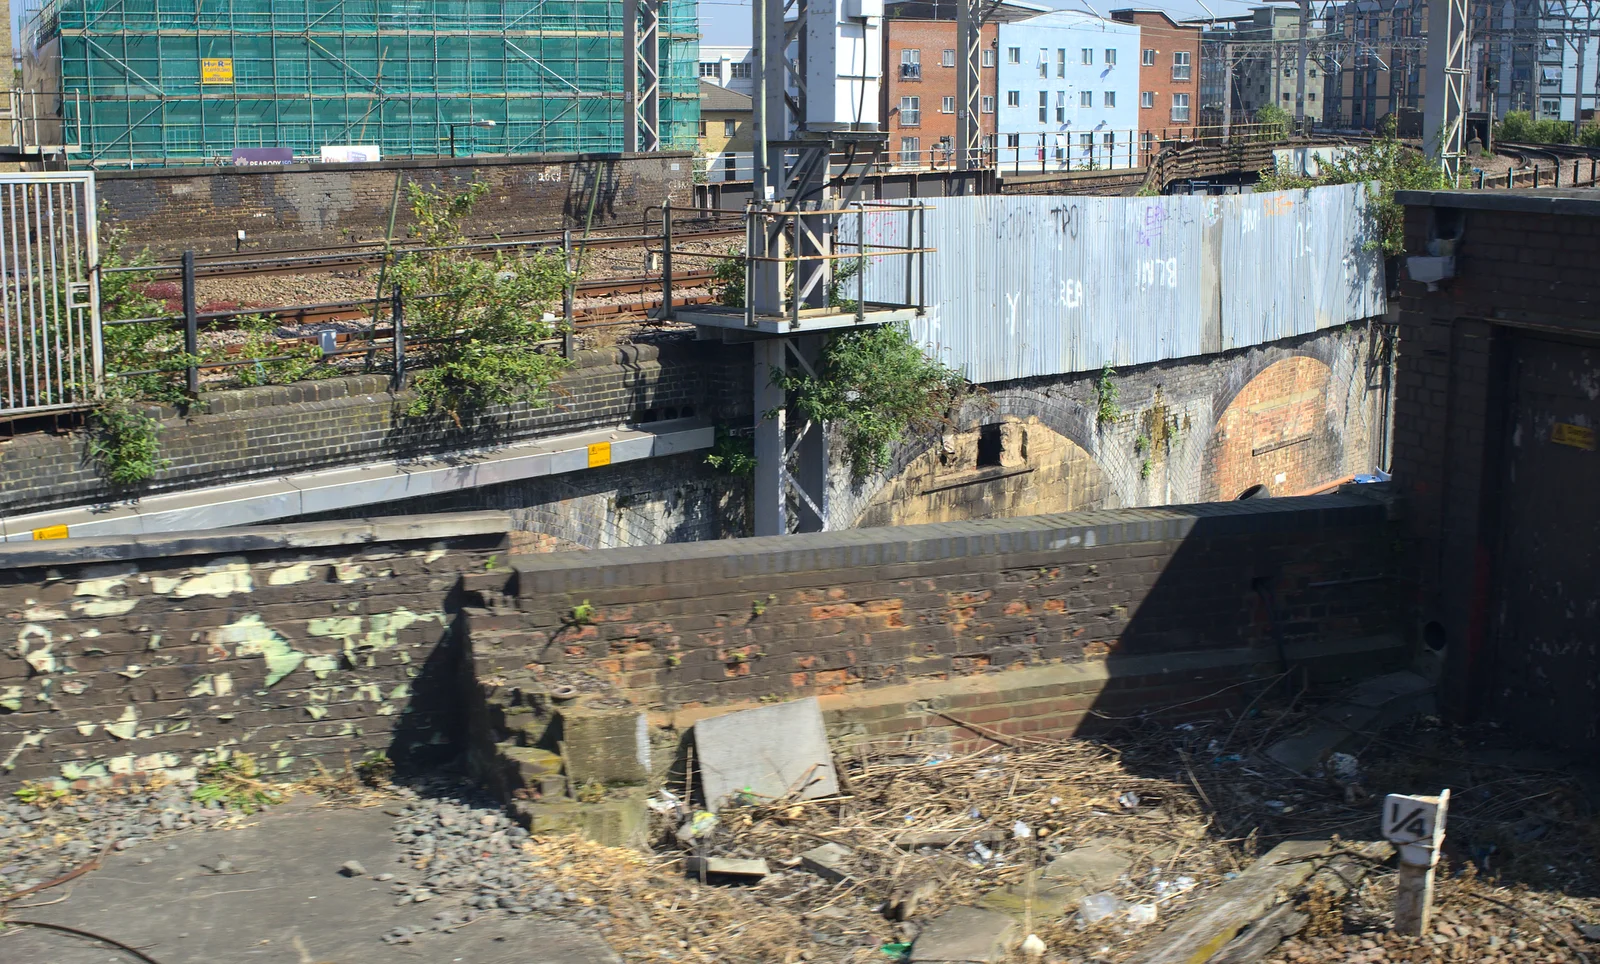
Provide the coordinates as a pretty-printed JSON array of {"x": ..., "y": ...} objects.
[{"x": 158, "y": 81}]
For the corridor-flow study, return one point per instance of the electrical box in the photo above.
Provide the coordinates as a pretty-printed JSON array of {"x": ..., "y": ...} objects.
[{"x": 863, "y": 9}]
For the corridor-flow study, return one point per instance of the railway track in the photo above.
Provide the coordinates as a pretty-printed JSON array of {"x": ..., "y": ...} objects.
[
  {"x": 371, "y": 254},
  {"x": 1562, "y": 165}
]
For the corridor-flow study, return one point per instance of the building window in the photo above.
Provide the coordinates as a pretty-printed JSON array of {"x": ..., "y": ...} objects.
[
  {"x": 1551, "y": 107},
  {"x": 740, "y": 71},
  {"x": 1111, "y": 57},
  {"x": 988, "y": 104},
  {"x": 1088, "y": 55},
  {"x": 1085, "y": 98},
  {"x": 1013, "y": 55},
  {"x": 1086, "y": 141},
  {"x": 1286, "y": 96},
  {"x": 910, "y": 148},
  {"x": 1061, "y": 107},
  {"x": 702, "y": 127},
  {"x": 712, "y": 70},
  {"x": 729, "y": 127},
  {"x": 910, "y": 64},
  {"x": 1180, "y": 107},
  {"x": 948, "y": 58},
  {"x": 1147, "y": 99},
  {"x": 1044, "y": 106},
  {"x": 1109, "y": 98},
  {"x": 1061, "y": 61},
  {"x": 1148, "y": 58},
  {"x": 1013, "y": 98},
  {"x": 1013, "y": 140},
  {"x": 1147, "y": 141},
  {"x": 948, "y": 106},
  {"x": 1180, "y": 65},
  {"x": 947, "y": 146},
  {"x": 1311, "y": 95},
  {"x": 911, "y": 112},
  {"x": 988, "y": 57},
  {"x": 1108, "y": 141},
  {"x": 1044, "y": 62}
]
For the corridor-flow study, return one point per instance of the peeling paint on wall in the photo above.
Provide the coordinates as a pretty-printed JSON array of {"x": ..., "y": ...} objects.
[
  {"x": 219, "y": 579},
  {"x": 252, "y": 637}
]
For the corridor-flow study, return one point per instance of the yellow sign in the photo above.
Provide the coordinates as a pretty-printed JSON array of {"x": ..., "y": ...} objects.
[
  {"x": 1564, "y": 433},
  {"x": 599, "y": 454},
  {"x": 218, "y": 71},
  {"x": 50, "y": 532}
]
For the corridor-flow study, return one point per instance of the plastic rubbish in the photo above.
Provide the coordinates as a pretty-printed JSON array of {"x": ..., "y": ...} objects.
[
  {"x": 1276, "y": 805},
  {"x": 702, "y": 823},
  {"x": 934, "y": 759},
  {"x": 1020, "y": 831},
  {"x": 1140, "y": 915},
  {"x": 1099, "y": 906},
  {"x": 1054, "y": 801},
  {"x": 665, "y": 801},
  {"x": 1343, "y": 767},
  {"x": 1128, "y": 800},
  {"x": 897, "y": 950},
  {"x": 1168, "y": 889},
  {"x": 1229, "y": 758},
  {"x": 984, "y": 853},
  {"x": 1032, "y": 946}
]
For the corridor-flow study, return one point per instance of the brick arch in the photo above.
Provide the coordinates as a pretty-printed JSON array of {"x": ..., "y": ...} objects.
[
  {"x": 1059, "y": 465},
  {"x": 1281, "y": 428}
]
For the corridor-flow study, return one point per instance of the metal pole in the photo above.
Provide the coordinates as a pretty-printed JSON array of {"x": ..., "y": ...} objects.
[
  {"x": 397, "y": 312},
  {"x": 666, "y": 260},
  {"x": 1300, "y": 69},
  {"x": 567, "y": 294},
  {"x": 191, "y": 324},
  {"x": 452, "y": 140},
  {"x": 759, "y": 177}
]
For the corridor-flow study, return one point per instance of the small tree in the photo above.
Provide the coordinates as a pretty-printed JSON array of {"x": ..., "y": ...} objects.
[
  {"x": 874, "y": 385},
  {"x": 477, "y": 322},
  {"x": 1274, "y": 120},
  {"x": 1384, "y": 163}
]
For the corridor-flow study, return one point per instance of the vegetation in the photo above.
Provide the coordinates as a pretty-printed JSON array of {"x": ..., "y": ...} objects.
[
  {"x": 1274, "y": 121},
  {"x": 732, "y": 454},
  {"x": 727, "y": 279},
  {"x": 278, "y": 364},
  {"x": 233, "y": 783},
  {"x": 478, "y": 322},
  {"x": 873, "y": 385},
  {"x": 1520, "y": 127},
  {"x": 1106, "y": 395},
  {"x": 1387, "y": 165},
  {"x": 124, "y": 442}
]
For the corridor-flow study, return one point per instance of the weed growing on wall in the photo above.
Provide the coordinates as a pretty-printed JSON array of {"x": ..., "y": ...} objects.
[
  {"x": 732, "y": 454},
  {"x": 476, "y": 322},
  {"x": 874, "y": 385},
  {"x": 1106, "y": 395},
  {"x": 124, "y": 442},
  {"x": 1387, "y": 166}
]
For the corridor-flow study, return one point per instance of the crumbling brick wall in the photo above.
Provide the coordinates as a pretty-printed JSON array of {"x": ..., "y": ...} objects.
[
  {"x": 304, "y": 205},
  {"x": 842, "y": 613},
  {"x": 297, "y": 644}
]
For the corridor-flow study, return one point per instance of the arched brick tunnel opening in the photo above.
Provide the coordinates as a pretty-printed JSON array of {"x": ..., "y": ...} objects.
[
  {"x": 1010, "y": 466},
  {"x": 1282, "y": 434}
]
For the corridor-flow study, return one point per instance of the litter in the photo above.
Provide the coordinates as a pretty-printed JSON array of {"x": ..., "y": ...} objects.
[
  {"x": 1020, "y": 831},
  {"x": 1168, "y": 889},
  {"x": 1032, "y": 946},
  {"x": 1097, "y": 907},
  {"x": 1128, "y": 800}
]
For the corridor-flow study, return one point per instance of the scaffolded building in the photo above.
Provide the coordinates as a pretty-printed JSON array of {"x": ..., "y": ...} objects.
[{"x": 152, "y": 82}]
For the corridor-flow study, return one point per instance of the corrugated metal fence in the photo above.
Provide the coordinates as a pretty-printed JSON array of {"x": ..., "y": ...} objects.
[{"x": 1026, "y": 286}]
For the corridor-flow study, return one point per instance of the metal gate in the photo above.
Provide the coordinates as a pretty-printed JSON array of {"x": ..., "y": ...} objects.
[{"x": 50, "y": 350}]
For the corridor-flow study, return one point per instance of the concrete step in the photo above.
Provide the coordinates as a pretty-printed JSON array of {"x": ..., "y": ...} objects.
[{"x": 1366, "y": 707}]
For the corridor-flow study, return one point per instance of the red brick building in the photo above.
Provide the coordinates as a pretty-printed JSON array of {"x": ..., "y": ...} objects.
[
  {"x": 919, "y": 91},
  {"x": 1169, "y": 71}
]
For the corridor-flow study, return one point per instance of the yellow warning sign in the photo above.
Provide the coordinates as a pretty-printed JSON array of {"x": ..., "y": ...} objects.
[
  {"x": 50, "y": 532},
  {"x": 216, "y": 71},
  {"x": 599, "y": 454},
  {"x": 1565, "y": 433}
]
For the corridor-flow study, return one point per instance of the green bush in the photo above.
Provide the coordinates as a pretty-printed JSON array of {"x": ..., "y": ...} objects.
[
  {"x": 477, "y": 322},
  {"x": 1275, "y": 121},
  {"x": 1520, "y": 127}
]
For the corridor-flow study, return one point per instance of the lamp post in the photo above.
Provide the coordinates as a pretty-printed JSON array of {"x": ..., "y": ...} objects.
[{"x": 486, "y": 124}]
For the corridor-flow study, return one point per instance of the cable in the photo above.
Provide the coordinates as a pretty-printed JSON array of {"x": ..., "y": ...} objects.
[{"x": 141, "y": 955}]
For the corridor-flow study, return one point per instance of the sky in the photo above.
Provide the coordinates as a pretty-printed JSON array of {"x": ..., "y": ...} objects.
[{"x": 728, "y": 21}]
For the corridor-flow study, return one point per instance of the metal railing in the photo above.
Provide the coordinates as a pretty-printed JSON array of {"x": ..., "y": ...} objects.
[
  {"x": 38, "y": 122},
  {"x": 50, "y": 349}
]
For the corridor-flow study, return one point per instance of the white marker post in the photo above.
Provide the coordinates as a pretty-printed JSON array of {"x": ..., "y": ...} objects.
[{"x": 1415, "y": 825}]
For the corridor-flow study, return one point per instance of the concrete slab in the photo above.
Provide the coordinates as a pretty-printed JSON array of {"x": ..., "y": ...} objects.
[
  {"x": 769, "y": 751},
  {"x": 284, "y": 902},
  {"x": 828, "y": 861},
  {"x": 1056, "y": 888},
  {"x": 965, "y": 934},
  {"x": 1369, "y": 705}
]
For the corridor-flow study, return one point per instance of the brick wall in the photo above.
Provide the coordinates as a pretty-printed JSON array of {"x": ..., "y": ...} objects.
[
  {"x": 295, "y": 644},
  {"x": 1524, "y": 269},
  {"x": 1159, "y": 33},
  {"x": 236, "y": 435},
  {"x": 931, "y": 38},
  {"x": 1154, "y": 602},
  {"x": 306, "y": 205}
]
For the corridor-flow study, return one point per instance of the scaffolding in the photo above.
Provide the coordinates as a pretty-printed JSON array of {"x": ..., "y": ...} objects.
[{"x": 162, "y": 82}]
